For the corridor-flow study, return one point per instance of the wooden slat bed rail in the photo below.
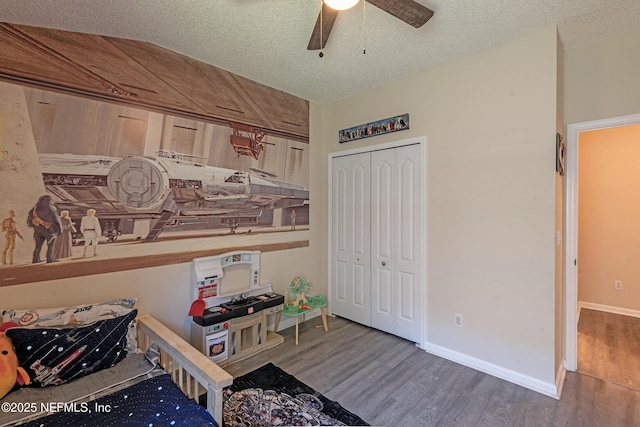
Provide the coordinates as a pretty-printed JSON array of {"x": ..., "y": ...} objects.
[{"x": 189, "y": 368}]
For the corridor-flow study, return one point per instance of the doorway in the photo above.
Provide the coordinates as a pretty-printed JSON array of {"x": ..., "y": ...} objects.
[{"x": 572, "y": 309}]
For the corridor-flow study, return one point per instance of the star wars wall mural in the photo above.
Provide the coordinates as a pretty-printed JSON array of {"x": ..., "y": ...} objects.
[{"x": 90, "y": 186}]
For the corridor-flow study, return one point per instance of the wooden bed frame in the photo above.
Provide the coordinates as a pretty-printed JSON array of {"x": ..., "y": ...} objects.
[{"x": 191, "y": 370}]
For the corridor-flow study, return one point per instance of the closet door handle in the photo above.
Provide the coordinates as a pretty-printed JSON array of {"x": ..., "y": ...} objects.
[{"x": 384, "y": 263}]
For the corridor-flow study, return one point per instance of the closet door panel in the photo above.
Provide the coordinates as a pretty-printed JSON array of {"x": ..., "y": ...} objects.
[
  {"x": 340, "y": 272},
  {"x": 383, "y": 214},
  {"x": 360, "y": 242},
  {"x": 382, "y": 303},
  {"x": 406, "y": 210},
  {"x": 408, "y": 254},
  {"x": 351, "y": 296},
  {"x": 359, "y": 290},
  {"x": 406, "y": 297}
]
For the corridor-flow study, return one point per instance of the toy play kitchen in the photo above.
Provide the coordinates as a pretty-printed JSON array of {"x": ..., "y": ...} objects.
[{"x": 230, "y": 309}]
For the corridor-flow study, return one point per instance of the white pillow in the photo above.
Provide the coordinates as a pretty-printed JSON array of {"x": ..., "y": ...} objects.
[{"x": 80, "y": 315}]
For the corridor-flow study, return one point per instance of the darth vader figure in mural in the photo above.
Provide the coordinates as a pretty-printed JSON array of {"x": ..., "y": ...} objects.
[{"x": 45, "y": 221}]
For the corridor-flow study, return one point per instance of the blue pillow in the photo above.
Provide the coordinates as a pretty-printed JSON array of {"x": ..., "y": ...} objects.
[{"x": 53, "y": 356}]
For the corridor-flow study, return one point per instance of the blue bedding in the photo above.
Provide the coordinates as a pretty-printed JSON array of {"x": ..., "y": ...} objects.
[{"x": 154, "y": 402}]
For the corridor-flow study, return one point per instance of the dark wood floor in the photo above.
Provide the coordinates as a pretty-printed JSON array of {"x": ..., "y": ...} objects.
[
  {"x": 609, "y": 347},
  {"x": 389, "y": 382}
]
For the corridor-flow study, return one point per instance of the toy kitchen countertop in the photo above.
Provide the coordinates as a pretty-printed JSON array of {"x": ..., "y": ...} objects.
[{"x": 238, "y": 307}]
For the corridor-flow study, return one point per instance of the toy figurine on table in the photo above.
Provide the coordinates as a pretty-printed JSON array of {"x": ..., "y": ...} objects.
[
  {"x": 297, "y": 299},
  {"x": 297, "y": 303}
]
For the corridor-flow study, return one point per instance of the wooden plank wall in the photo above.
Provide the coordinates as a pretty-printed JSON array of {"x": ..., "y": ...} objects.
[{"x": 145, "y": 75}]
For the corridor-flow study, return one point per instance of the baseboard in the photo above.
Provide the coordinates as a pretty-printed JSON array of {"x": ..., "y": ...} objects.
[
  {"x": 608, "y": 309},
  {"x": 548, "y": 389}
]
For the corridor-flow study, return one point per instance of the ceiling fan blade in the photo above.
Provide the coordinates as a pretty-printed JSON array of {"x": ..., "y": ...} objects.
[
  {"x": 408, "y": 11},
  {"x": 328, "y": 18}
]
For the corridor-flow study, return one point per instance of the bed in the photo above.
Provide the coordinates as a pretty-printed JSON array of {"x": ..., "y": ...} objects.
[{"x": 165, "y": 381}]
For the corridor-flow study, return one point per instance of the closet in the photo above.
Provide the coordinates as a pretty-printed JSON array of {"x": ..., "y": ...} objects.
[{"x": 377, "y": 236}]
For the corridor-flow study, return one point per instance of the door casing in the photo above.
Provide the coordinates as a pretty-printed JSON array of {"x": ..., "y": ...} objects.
[{"x": 571, "y": 230}]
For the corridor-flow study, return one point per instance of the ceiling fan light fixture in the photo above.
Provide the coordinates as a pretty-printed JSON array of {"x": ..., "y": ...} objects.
[{"x": 341, "y": 4}]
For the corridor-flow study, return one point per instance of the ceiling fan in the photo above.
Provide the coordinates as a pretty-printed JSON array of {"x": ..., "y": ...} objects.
[{"x": 409, "y": 11}]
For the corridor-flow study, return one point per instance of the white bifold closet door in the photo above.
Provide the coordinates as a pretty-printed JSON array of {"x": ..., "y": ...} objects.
[
  {"x": 351, "y": 238},
  {"x": 377, "y": 240}
]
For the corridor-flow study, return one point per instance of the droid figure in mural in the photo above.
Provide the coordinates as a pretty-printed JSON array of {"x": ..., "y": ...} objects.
[
  {"x": 10, "y": 229},
  {"x": 91, "y": 230},
  {"x": 45, "y": 221}
]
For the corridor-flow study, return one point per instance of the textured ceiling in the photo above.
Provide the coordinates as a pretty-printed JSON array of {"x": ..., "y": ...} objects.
[{"x": 266, "y": 40}]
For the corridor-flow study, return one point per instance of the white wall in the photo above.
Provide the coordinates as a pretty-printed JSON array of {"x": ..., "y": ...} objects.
[
  {"x": 601, "y": 79},
  {"x": 490, "y": 124}
]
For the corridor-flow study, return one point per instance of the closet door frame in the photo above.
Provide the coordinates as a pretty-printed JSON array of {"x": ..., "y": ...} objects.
[{"x": 423, "y": 217}]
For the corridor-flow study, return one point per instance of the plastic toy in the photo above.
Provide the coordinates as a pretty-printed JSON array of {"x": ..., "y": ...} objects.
[
  {"x": 297, "y": 300},
  {"x": 10, "y": 372},
  {"x": 299, "y": 288}
]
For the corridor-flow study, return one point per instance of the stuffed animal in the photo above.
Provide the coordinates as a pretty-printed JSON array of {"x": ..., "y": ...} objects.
[{"x": 10, "y": 372}]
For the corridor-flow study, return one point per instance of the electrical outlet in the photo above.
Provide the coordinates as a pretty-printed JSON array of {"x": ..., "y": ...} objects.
[
  {"x": 618, "y": 285},
  {"x": 458, "y": 320}
]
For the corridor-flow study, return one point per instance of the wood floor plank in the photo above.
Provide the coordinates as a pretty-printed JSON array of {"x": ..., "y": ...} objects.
[
  {"x": 390, "y": 382},
  {"x": 609, "y": 347}
]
